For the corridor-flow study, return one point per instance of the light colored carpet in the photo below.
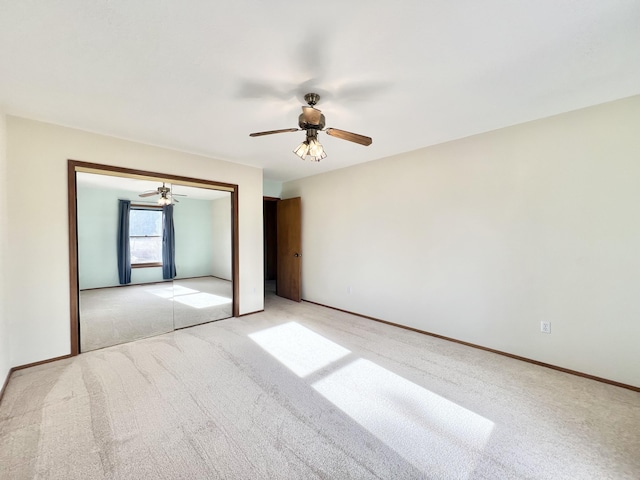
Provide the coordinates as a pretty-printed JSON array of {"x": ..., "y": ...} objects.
[
  {"x": 304, "y": 392},
  {"x": 111, "y": 316},
  {"x": 200, "y": 300}
]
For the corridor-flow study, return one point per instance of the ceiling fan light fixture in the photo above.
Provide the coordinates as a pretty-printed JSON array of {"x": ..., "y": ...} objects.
[
  {"x": 317, "y": 158},
  {"x": 302, "y": 150},
  {"x": 164, "y": 200},
  {"x": 315, "y": 149},
  {"x": 311, "y": 150}
]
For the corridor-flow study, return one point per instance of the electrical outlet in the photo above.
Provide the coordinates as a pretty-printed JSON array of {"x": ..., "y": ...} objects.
[
  {"x": 545, "y": 327},
  {"x": 349, "y": 290}
]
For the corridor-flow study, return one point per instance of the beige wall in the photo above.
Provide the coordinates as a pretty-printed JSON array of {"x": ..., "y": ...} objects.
[
  {"x": 38, "y": 265},
  {"x": 482, "y": 238},
  {"x": 5, "y": 358}
]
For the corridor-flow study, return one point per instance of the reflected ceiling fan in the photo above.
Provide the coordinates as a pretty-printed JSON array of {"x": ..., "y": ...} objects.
[
  {"x": 312, "y": 121},
  {"x": 166, "y": 197}
]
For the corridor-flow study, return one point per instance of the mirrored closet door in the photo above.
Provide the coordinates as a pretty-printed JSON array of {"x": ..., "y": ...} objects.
[
  {"x": 152, "y": 256},
  {"x": 202, "y": 287}
]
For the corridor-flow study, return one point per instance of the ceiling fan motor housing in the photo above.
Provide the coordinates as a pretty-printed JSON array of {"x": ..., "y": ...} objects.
[{"x": 305, "y": 125}]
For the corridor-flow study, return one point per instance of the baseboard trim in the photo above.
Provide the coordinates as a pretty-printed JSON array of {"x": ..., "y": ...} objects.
[
  {"x": 6, "y": 382},
  {"x": 487, "y": 349},
  {"x": 212, "y": 276},
  {"x": 27, "y": 365},
  {"x": 41, "y": 362}
]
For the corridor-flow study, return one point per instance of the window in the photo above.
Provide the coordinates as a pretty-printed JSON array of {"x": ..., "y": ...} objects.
[{"x": 145, "y": 236}]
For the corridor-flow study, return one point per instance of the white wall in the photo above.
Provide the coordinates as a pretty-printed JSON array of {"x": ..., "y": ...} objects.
[
  {"x": 38, "y": 295},
  {"x": 482, "y": 238},
  {"x": 221, "y": 238},
  {"x": 5, "y": 357}
]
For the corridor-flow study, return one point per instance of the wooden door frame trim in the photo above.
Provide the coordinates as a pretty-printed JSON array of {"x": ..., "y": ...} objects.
[{"x": 76, "y": 165}]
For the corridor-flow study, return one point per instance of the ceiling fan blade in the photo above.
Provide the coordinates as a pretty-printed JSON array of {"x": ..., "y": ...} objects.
[
  {"x": 311, "y": 115},
  {"x": 148, "y": 194},
  {"x": 352, "y": 137},
  {"x": 271, "y": 132},
  {"x": 178, "y": 195},
  {"x": 175, "y": 200}
]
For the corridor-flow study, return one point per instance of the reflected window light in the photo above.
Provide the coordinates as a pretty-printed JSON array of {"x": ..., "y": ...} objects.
[
  {"x": 180, "y": 290},
  {"x": 171, "y": 291},
  {"x": 201, "y": 300},
  {"x": 301, "y": 350},
  {"x": 162, "y": 292},
  {"x": 433, "y": 433}
]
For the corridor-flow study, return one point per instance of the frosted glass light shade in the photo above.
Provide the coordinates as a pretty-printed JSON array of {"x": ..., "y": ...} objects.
[{"x": 312, "y": 149}]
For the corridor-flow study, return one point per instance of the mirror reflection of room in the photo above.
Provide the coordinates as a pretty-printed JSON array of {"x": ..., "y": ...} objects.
[
  {"x": 202, "y": 287},
  {"x": 152, "y": 257}
]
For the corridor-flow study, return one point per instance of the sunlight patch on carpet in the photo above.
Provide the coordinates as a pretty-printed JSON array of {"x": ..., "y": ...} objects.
[
  {"x": 431, "y": 432},
  {"x": 301, "y": 350},
  {"x": 434, "y": 434}
]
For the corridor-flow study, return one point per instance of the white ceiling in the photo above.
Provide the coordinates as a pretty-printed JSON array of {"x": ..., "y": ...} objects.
[{"x": 200, "y": 76}]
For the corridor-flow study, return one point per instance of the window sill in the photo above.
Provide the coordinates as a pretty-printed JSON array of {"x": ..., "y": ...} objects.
[{"x": 145, "y": 265}]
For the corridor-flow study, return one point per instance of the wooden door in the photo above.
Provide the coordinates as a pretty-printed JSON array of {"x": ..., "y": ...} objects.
[{"x": 289, "y": 270}]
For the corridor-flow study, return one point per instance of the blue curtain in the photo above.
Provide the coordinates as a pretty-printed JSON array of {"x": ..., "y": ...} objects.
[
  {"x": 168, "y": 243},
  {"x": 124, "y": 254}
]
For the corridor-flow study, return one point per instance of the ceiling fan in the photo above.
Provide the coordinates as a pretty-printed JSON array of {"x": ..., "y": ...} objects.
[
  {"x": 166, "y": 197},
  {"x": 312, "y": 121}
]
